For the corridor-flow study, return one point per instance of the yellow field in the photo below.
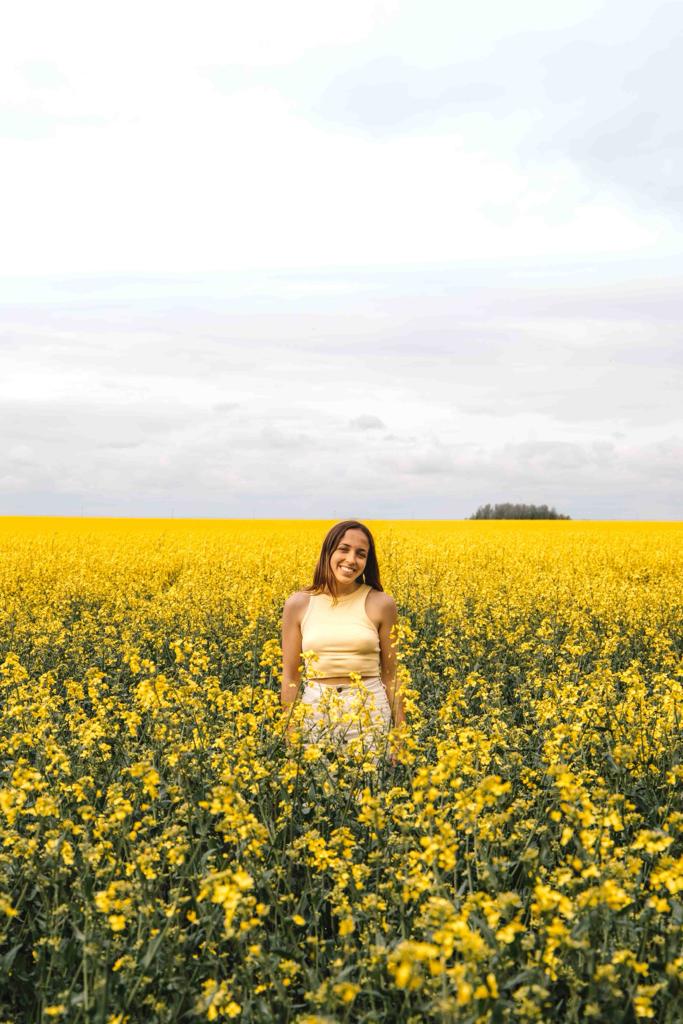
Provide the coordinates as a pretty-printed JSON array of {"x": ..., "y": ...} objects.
[{"x": 167, "y": 857}]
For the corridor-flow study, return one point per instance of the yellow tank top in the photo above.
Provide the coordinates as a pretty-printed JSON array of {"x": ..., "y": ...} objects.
[{"x": 344, "y": 638}]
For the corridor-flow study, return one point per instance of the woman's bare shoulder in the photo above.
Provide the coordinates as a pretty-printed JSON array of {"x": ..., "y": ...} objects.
[
  {"x": 298, "y": 599},
  {"x": 381, "y": 604},
  {"x": 295, "y": 608}
]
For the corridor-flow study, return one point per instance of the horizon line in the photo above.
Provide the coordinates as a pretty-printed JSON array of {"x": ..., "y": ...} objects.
[{"x": 322, "y": 519}]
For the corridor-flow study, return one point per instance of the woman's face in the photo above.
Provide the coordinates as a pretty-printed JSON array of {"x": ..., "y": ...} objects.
[{"x": 349, "y": 559}]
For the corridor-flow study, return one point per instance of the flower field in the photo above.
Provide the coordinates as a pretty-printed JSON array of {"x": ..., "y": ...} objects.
[{"x": 166, "y": 855}]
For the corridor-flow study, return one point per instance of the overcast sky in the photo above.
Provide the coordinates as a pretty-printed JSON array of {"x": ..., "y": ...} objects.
[{"x": 374, "y": 259}]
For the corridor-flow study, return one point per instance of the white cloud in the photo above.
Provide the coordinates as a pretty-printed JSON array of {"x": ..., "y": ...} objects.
[
  {"x": 133, "y": 160},
  {"x": 367, "y": 422},
  {"x": 595, "y": 94},
  {"x": 408, "y": 404},
  {"x": 443, "y": 261}
]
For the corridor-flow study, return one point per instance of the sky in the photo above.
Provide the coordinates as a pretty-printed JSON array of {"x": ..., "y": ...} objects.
[{"x": 391, "y": 259}]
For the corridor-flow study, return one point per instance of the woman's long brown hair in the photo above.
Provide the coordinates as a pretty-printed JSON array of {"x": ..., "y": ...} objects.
[{"x": 324, "y": 579}]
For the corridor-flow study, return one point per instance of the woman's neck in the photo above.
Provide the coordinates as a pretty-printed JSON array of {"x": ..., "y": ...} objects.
[{"x": 345, "y": 593}]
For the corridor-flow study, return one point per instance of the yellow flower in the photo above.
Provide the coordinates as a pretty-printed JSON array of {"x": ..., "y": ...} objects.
[
  {"x": 140, "y": 717},
  {"x": 346, "y": 991},
  {"x": 346, "y": 926},
  {"x": 6, "y": 907},
  {"x": 403, "y": 974},
  {"x": 123, "y": 961},
  {"x": 507, "y": 933}
]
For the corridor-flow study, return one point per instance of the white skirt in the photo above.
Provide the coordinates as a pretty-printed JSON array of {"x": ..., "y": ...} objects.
[{"x": 357, "y": 716}]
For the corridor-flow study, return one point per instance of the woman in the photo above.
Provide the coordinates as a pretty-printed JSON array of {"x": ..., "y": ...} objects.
[{"x": 346, "y": 619}]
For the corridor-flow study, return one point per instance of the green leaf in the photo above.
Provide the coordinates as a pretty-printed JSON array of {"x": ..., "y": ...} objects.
[
  {"x": 7, "y": 959},
  {"x": 151, "y": 950}
]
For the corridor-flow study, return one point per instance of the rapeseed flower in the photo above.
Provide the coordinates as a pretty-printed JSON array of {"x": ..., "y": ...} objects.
[{"x": 171, "y": 847}]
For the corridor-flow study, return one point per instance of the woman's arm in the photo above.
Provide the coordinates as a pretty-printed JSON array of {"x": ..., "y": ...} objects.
[
  {"x": 291, "y": 652},
  {"x": 387, "y": 648}
]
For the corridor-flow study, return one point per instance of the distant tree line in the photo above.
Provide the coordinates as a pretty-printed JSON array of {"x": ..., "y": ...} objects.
[{"x": 509, "y": 511}]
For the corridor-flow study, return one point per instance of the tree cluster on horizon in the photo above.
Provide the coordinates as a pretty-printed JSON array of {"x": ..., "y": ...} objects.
[{"x": 507, "y": 510}]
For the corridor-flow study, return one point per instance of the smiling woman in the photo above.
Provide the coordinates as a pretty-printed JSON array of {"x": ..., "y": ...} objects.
[{"x": 343, "y": 624}]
